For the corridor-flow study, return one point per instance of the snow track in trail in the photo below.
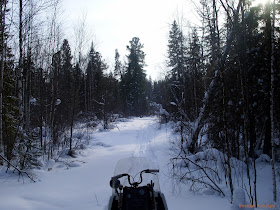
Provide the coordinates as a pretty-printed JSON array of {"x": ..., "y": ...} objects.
[
  {"x": 146, "y": 134},
  {"x": 86, "y": 186}
]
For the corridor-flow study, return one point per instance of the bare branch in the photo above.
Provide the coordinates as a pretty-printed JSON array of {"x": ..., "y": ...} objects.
[{"x": 20, "y": 171}]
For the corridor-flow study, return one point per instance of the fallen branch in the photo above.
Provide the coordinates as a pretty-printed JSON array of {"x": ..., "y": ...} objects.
[
  {"x": 20, "y": 171},
  {"x": 68, "y": 164}
]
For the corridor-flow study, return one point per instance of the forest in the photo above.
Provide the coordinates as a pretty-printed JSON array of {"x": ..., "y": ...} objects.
[{"x": 221, "y": 84}]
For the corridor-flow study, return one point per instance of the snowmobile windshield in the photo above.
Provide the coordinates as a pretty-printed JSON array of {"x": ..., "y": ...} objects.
[{"x": 133, "y": 166}]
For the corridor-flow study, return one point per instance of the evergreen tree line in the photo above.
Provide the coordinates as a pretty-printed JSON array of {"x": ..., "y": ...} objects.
[
  {"x": 223, "y": 82},
  {"x": 45, "y": 90},
  {"x": 196, "y": 84}
]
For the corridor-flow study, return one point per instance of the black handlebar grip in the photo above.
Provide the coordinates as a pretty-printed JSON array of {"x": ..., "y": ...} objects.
[
  {"x": 152, "y": 171},
  {"x": 119, "y": 176}
]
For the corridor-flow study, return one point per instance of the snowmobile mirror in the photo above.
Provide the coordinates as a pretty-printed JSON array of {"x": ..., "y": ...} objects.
[{"x": 115, "y": 183}]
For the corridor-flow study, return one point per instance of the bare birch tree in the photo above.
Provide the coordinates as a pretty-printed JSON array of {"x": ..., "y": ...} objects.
[{"x": 82, "y": 38}]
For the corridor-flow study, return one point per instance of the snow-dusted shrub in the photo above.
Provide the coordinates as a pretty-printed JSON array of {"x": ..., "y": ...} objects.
[
  {"x": 202, "y": 170},
  {"x": 28, "y": 151},
  {"x": 158, "y": 110}
]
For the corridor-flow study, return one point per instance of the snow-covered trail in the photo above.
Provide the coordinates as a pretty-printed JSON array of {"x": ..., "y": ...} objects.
[{"x": 86, "y": 186}]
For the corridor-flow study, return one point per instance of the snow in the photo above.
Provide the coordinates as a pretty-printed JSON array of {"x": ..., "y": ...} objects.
[
  {"x": 58, "y": 101},
  {"x": 263, "y": 158},
  {"x": 83, "y": 182},
  {"x": 33, "y": 101},
  {"x": 238, "y": 198},
  {"x": 173, "y": 103}
]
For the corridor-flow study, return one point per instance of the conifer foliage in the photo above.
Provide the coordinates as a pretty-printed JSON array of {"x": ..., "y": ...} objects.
[{"x": 133, "y": 81}]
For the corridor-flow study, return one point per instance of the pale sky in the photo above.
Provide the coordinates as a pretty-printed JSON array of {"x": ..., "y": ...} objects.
[{"x": 115, "y": 22}]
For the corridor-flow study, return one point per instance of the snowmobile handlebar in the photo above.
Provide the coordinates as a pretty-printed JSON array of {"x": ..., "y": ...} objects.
[
  {"x": 134, "y": 184},
  {"x": 150, "y": 171},
  {"x": 119, "y": 176}
]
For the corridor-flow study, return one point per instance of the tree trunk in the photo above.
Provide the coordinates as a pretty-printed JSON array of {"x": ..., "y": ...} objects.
[
  {"x": 20, "y": 87},
  {"x": 267, "y": 136},
  {"x": 228, "y": 151},
  {"x": 72, "y": 117},
  {"x": 3, "y": 12},
  {"x": 272, "y": 102}
]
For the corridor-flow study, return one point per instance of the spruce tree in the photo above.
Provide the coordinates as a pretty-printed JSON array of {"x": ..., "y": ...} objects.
[
  {"x": 177, "y": 74},
  {"x": 193, "y": 77},
  {"x": 134, "y": 80},
  {"x": 118, "y": 65},
  {"x": 176, "y": 53},
  {"x": 95, "y": 82},
  {"x": 66, "y": 85},
  {"x": 10, "y": 108}
]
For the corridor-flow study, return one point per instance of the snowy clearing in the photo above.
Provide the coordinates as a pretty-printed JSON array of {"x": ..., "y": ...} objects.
[{"x": 85, "y": 185}]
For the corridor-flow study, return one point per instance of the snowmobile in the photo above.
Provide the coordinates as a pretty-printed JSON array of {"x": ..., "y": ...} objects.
[{"x": 138, "y": 192}]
